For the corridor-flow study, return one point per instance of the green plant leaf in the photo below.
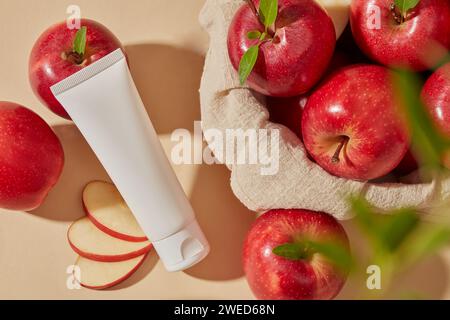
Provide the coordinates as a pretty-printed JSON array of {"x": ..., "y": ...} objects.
[
  {"x": 427, "y": 241},
  {"x": 247, "y": 63},
  {"x": 336, "y": 253},
  {"x": 290, "y": 251},
  {"x": 79, "y": 43},
  {"x": 444, "y": 60},
  {"x": 268, "y": 12},
  {"x": 405, "y": 5},
  {"x": 387, "y": 231},
  {"x": 263, "y": 36},
  {"x": 398, "y": 227},
  {"x": 365, "y": 216},
  {"x": 253, "y": 35}
]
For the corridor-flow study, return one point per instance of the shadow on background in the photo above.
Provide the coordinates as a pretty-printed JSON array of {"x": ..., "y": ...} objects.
[
  {"x": 148, "y": 265},
  {"x": 81, "y": 167},
  {"x": 225, "y": 222},
  {"x": 168, "y": 80}
]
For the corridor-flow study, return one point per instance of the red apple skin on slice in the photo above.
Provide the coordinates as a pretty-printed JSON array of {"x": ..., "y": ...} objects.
[
  {"x": 104, "y": 275},
  {"x": 106, "y": 209},
  {"x": 90, "y": 242}
]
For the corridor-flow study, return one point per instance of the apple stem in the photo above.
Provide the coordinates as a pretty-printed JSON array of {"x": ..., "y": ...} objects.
[
  {"x": 75, "y": 58},
  {"x": 399, "y": 17},
  {"x": 337, "y": 155}
]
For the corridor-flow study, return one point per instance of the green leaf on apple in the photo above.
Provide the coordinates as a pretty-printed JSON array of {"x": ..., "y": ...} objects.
[
  {"x": 268, "y": 11},
  {"x": 290, "y": 251},
  {"x": 79, "y": 43},
  {"x": 253, "y": 35},
  {"x": 304, "y": 249},
  {"x": 405, "y": 5},
  {"x": 338, "y": 254},
  {"x": 247, "y": 63}
]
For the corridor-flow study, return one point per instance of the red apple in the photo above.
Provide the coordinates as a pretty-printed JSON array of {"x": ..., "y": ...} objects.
[
  {"x": 310, "y": 275},
  {"x": 53, "y": 58},
  {"x": 296, "y": 51},
  {"x": 347, "y": 48},
  {"x": 407, "y": 165},
  {"x": 414, "y": 39},
  {"x": 288, "y": 112},
  {"x": 351, "y": 126},
  {"x": 436, "y": 97},
  {"x": 31, "y": 158}
]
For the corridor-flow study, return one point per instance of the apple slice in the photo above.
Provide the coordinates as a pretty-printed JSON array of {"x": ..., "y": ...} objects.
[
  {"x": 103, "y": 275},
  {"x": 106, "y": 209},
  {"x": 92, "y": 243}
]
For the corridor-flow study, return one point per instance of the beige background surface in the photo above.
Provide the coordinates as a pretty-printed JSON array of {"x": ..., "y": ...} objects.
[{"x": 165, "y": 46}]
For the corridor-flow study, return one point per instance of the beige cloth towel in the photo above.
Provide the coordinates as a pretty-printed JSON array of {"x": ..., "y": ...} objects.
[{"x": 300, "y": 183}]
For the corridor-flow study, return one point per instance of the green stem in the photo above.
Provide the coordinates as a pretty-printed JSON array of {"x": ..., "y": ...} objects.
[
  {"x": 267, "y": 31},
  {"x": 79, "y": 46},
  {"x": 398, "y": 14}
]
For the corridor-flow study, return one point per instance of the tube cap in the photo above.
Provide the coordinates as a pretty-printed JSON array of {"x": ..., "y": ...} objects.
[{"x": 183, "y": 249}]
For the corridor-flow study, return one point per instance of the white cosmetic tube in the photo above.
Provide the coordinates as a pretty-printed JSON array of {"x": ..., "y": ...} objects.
[{"x": 105, "y": 105}]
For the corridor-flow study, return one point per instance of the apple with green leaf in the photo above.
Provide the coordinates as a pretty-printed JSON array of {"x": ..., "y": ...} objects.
[
  {"x": 411, "y": 34},
  {"x": 60, "y": 52},
  {"x": 281, "y": 48},
  {"x": 296, "y": 255}
]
